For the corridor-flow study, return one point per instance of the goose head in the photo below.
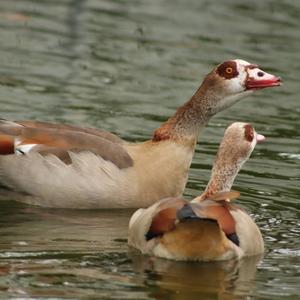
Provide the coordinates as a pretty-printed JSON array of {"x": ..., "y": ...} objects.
[
  {"x": 233, "y": 80},
  {"x": 236, "y": 147},
  {"x": 238, "y": 143}
]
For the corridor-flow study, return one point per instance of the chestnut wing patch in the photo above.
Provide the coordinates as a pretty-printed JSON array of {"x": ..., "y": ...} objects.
[
  {"x": 220, "y": 213},
  {"x": 174, "y": 210},
  {"x": 7, "y": 144},
  {"x": 165, "y": 217}
]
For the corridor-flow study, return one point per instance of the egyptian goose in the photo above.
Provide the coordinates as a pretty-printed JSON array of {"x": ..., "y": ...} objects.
[
  {"x": 56, "y": 165},
  {"x": 209, "y": 227}
]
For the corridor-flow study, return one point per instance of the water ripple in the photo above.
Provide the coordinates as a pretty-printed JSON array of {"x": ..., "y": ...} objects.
[{"x": 125, "y": 67}]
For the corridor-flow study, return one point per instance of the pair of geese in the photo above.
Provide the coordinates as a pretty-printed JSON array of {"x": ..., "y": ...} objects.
[{"x": 57, "y": 165}]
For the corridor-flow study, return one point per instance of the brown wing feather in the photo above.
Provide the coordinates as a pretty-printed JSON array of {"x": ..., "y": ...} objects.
[
  {"x": 15, "y": 128},
  {"x": 93, "y": 131},
  {"x": 10, "y": 128},
  {"x": 69, "y": 140},
  {"x": 58, "y": 139},
  {"x": 165, "y": 217},
  {"x": 215, "y": 211},
  {"x": 62, "y": 154},
  {"x": 231, "y": 195}
]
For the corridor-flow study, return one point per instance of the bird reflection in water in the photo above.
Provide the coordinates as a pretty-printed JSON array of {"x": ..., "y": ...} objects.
[{"x": 193, "y": 280}]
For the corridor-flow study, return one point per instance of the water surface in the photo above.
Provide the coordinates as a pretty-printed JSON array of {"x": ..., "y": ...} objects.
[{"x": 125, "y": 66}]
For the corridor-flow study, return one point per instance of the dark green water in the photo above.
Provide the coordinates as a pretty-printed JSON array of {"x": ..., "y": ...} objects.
[{"x": 125, "y": 66}]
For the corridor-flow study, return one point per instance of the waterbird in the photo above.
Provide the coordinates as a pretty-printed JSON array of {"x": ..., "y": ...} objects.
[
  {"x": 66, "y": 166},
  {"x": 210, "y": 227}
]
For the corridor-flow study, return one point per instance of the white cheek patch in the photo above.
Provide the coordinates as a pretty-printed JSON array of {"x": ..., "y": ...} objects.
[{"x": 236, "y": 85}]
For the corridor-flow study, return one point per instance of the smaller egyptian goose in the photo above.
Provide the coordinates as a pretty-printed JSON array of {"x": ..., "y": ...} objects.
[{"x": 210, "y": 227}]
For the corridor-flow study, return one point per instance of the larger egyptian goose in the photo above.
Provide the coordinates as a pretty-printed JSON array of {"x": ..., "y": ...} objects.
[
  {"x": 56, "y": 165},
  {"x": 210, "y": 227}
]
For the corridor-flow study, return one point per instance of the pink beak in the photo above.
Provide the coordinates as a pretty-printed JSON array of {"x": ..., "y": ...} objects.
[
  {"x": 258, "y": 79},
  {"x": 260, "y": 138}
]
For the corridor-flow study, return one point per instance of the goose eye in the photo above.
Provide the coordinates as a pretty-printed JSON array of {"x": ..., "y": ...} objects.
[{"x": 228, "y": 70}]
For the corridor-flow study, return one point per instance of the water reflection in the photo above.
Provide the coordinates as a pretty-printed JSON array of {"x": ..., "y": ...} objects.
[
  {"x": 192, "y": 280},
  {"x": 60, "y": 252}
]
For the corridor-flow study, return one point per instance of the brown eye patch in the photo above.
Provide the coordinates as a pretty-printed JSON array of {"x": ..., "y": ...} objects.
[
  {"x": 228, "y": 69},
  {"x": 249, "y": 132}
]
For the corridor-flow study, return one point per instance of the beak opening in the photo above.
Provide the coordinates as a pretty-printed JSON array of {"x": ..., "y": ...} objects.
[
  {"x": 262, "y": 83},
  {"x": 260, "y": 138}
]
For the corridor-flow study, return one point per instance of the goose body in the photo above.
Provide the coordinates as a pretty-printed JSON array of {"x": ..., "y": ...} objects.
[
  {"x": 210, "y": 227},
  {"x": 57, "y": 165},
  {"x": 93, "y": 182},
  {"x": 197, "y": 236}
]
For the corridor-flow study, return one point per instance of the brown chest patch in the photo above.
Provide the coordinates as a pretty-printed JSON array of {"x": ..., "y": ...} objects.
[{"x": 161, "y": 134}]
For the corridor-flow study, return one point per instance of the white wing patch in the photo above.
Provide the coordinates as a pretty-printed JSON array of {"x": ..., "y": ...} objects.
[{"x": 23, "y": 149}]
